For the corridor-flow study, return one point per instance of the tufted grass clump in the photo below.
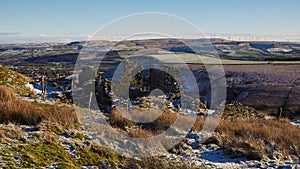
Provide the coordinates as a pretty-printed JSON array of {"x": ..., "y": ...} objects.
[{"x": 17, "y": 111}]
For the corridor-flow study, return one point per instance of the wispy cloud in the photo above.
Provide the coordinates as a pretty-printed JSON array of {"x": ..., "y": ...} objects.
[
  {"x": 9, "y": 33},
  {"x": 44, "y": 37},
  {"x": 15, "y": 37}
]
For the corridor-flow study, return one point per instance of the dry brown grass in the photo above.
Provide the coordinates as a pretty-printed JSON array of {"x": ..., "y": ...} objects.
[
  {"x": 140, "y": 133},
  {"x": 163, "y": 122},
  {"x": 14, "y": 133},
  {"x": 50, "y": 138},
  {"x": 261, "y": 135},
  {"x": 244, "y": 134},
  {"x": 198, "y": 125},
  {"x": 264, "y": 136},
  {"x": 116, "y": 119},
  {"x": 15, "y": 110},
  {"x": 6, "y": 94},
  {"x": 63, "y": 115}
]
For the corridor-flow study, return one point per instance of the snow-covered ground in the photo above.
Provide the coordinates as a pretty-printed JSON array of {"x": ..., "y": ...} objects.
[
  {"x": 52, "y": 93},
  {"x": 212, "y": 156},
  {"x": 197, "y": 154}
]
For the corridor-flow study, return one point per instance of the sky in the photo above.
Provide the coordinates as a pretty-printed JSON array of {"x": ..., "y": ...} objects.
[{"x": 32, "y": 20}]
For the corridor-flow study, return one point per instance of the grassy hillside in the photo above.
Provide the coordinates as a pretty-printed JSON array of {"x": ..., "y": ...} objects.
[
  {"x": 34, "y": 135},
  {"x": 15, "y": 81}
]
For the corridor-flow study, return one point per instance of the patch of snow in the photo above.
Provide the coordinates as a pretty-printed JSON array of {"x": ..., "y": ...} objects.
[
  {"x": 51, "y": 92},
  {"x": 53, "y": 166},
  {"x": 32, "y": 88},
  {"x": 295, "y": 122},
  {"x": 279, "y": 50}
]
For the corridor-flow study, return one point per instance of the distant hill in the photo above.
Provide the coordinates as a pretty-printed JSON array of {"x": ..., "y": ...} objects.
[
  {"x": 68, "y": 58},
  {"x": 66, "y": 54}
]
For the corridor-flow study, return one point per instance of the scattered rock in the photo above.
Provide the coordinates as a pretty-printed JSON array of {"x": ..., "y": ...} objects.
[
  {"x": 237, "y": 109},
  {"x": 212, "y": 140}
]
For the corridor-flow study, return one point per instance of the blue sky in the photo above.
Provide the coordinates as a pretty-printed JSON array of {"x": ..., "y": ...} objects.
[{"x": 84, "y": 17}]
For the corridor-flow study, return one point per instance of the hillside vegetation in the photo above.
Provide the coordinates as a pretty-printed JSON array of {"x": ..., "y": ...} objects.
[{"x": 15, "y": 81}]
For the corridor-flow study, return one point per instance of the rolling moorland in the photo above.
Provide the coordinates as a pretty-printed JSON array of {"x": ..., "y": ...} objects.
[{"x": 259, "y": 126}]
